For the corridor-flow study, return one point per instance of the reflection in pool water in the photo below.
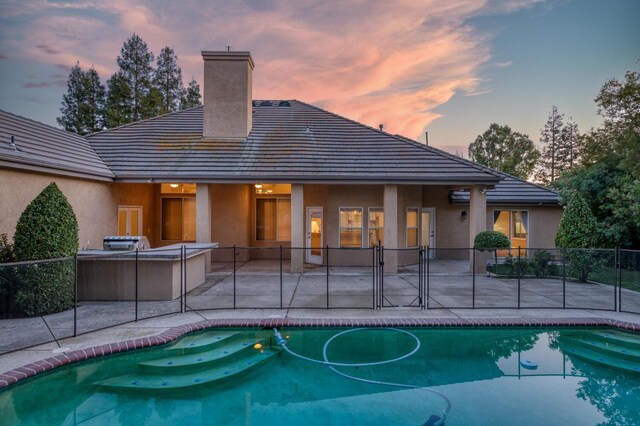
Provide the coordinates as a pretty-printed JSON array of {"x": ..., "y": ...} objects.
[{"x": 583, "y": 376}]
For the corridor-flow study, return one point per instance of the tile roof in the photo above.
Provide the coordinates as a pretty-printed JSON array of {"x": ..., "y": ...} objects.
[
  {"x": 513, "y": 191},
  {"x": 295, "y": 143},
  {"x": 40, "y": 147}
]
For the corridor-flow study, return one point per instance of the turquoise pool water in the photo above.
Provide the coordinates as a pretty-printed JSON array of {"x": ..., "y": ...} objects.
[{"x": 234, "y": 377}]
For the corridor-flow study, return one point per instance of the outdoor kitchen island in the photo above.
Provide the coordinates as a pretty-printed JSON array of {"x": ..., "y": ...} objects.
[{"x": 160, "y": 272}]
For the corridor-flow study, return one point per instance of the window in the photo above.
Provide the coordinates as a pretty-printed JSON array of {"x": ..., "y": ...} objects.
[
  {"x": 273, "y": 219},
  {"x": 514, "y": 224},
  {"x": 376, "y": 226},
  {"x": 412, "y": 227},
  {"x": 351, "y": 227},
  {"x": 179, "y": 218}
]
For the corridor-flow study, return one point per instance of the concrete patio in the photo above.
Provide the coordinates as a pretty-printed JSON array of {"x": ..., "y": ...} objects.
[{"x": 347, "y": 291}]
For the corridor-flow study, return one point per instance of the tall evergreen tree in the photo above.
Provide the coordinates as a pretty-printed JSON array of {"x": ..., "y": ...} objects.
[
  {"x": 135, "y": 61},
  {"x": 95, "y": 101},
  {"x": 71, "y": 101},
  {"x": 568, "y": 150},
  {"x": 550, "y": 139},
  {"x": 503, "y": 149},
  {"x": 168, "y": 80},
  {"x": 191, "y": 98},
  {"x": 118, "y": 108},
  {"x": 83, "y": 104}
]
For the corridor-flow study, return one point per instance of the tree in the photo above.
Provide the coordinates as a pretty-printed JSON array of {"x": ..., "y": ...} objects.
[
  {"x": 608, "y": 176},
  {"x": 70, "y": 118},
  {"x": 135, "y": 68},
  {"x": 568, "y": 150},
  {"x": 548, "y": 168},
  {"x": 83, "y": 105},
  {"x": 118, "y": 106},
  {"x": 168, "y": 80},
  {"x": 505, "y": 150},
  {"x": 93, "y": 109},
  {"x": 191, "y": 97}
]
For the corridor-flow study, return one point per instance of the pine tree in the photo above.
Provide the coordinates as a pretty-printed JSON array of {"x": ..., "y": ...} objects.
[
  {"x": 95, "y": 99},
  {"x": 118, "y": 107},
  {"x": 83, "y": 105},
  {"x": 550, "y": 139},
  {"x": 568, "y": 150},
  {"x": 191, "y": 97},
  {"x": 168, "y": 80},
  {"x": 135, "y": 67},
  {"x": 71, "y": 101},
  {"x": 153, "y": 104}
]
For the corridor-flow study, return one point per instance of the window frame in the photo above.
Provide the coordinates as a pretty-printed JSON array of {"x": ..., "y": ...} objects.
[
  {"x": 407, "y": 227},
  {"x": 340, "y": 227},
  {"x": 174, "y": 196},
  {"x": 511, "y": 230},
  {"x": 276, "y": 197}
]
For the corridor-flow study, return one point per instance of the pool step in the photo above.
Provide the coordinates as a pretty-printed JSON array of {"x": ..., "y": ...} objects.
[
  {"x": 207, "y": 376},
  {"x": 226, "y": 351},
  {"x": 619, "y": 338},
  {"x": 607, "y": 347},
  {"x": 201, "y": 342},
  {"x": 598, "y": 356}
]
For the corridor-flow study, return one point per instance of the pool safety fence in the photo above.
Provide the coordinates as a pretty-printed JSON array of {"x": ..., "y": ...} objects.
[{"x": 46, "y": 301}]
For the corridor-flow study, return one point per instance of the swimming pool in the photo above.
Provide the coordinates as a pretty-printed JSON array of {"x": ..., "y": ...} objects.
[{"x": 480, "y": 376}]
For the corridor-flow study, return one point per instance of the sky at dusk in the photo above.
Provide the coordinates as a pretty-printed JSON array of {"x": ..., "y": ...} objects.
[{"x": 450, "y": 67}]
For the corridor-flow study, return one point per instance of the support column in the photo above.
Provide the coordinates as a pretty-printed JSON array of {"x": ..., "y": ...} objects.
[
  {"x": 297, "y": 228},
  {"x": 391, "y": 228},
  {"x": 203, "y": 218},
  {"x": 477, "y": 223}
]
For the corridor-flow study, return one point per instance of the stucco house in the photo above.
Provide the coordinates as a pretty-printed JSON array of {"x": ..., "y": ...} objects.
[{"x": 265, "y": 173}]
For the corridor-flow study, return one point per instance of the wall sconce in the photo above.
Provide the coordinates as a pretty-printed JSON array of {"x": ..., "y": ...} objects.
[
  {"x": 150, "y": 180},
  {"x": 483, "y": 191},
  {"x": 463, "y": 215}
]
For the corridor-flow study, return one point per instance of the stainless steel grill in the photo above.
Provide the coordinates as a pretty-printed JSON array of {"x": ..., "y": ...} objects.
[{"x": 128, "y": 242}]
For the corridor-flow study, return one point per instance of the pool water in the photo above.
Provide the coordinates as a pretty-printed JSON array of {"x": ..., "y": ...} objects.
[{"x": 490, "y": 376}]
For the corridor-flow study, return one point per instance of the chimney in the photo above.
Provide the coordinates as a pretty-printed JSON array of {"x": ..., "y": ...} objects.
[{"x": 227, "y": 94}]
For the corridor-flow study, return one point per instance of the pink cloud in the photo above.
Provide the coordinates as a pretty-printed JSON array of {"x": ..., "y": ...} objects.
[{"x": 375, "y": 62}]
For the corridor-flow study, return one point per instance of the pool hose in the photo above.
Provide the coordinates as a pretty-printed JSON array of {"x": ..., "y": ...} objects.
[{"x": 434, "y": 420}]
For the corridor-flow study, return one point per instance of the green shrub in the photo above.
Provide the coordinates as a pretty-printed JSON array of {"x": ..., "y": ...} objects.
[
  {"x": 47, "y": 229},
  {"x": 7, "y": 276},
  {"x": 491, "y": 240},
  {"x": 543, "y": 264},
  {"x": 578, "y": 230},
  {"x": 517, "y": 266}
]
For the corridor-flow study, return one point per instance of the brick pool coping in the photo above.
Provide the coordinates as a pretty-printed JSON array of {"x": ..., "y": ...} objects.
[{"x": 29, "y": 370}]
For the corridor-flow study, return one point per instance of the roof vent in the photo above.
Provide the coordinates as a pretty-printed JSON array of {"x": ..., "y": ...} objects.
[
  {"x": 381, "y": 126},
  {"x": 265, "y": 103},
  {"x": 284, "y": 104}
]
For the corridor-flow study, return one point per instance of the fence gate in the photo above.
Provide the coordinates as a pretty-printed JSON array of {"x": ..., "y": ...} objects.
[{"x": 406, "y": 287}]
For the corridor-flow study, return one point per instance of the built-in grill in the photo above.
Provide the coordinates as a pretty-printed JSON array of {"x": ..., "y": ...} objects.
[{"x": 126, "y": 242}]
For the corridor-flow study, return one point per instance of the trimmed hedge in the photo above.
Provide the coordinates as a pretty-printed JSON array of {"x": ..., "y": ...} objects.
[
  {"x": 491, "y": 240},
  {"x": 47, "y": 229}
]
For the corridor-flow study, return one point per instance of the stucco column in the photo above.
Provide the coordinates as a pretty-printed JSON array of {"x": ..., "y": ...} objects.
[
  {"x": 391, "y": 228},
  {"x": 203, "y": 218},
  {"x": 477, "y": 223},
  {"x": 297, "y": 228}
]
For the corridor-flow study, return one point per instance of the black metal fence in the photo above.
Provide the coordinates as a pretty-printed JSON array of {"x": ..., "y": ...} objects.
[{"x": 50, "y": 300}]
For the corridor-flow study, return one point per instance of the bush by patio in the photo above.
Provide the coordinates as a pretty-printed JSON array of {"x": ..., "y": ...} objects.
[
  {"x": 47, "y": 229},
  {"x": 578, "y": 229},
  {"x": 491, "y": 241}
]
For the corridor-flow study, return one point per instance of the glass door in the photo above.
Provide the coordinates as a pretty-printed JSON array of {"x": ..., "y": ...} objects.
[{"x": 314, "y": 235}]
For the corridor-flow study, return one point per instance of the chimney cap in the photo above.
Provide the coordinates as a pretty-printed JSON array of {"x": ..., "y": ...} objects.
[{"x": 224, "y": 55}]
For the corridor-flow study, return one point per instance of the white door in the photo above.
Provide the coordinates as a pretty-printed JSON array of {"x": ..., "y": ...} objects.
[
  {"x": 314, "y": 235},
  {"x": 428, "y": 229},
  {"x": 130, "y": 220}
]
